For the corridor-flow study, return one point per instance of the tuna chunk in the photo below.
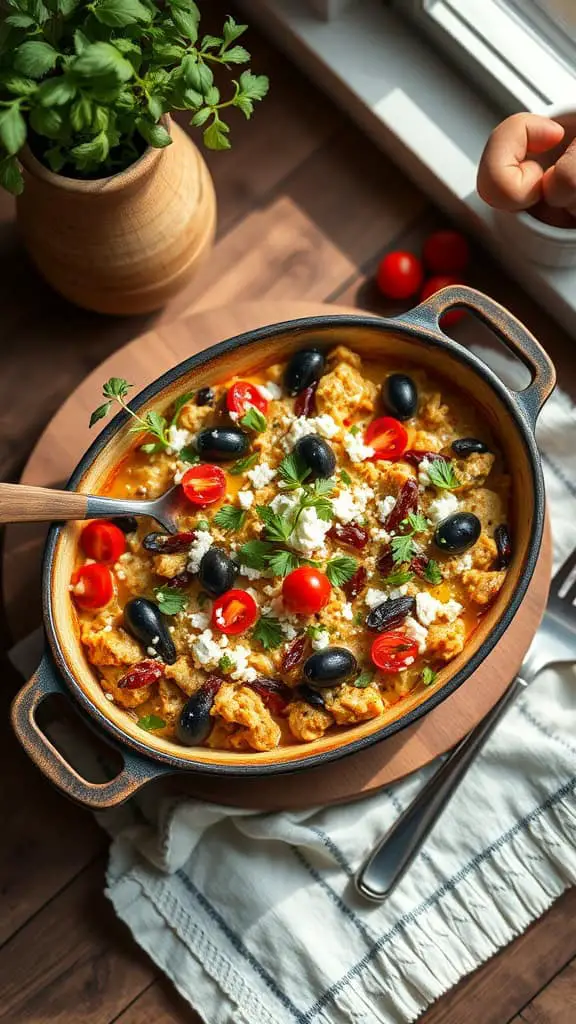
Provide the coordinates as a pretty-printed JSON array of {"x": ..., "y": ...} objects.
[
  {"x": 482, "y": 587},
  {"x": 351, "y": 704},
  {"x": 245, "y": 708},
  {"x": 308, "y": 723}
]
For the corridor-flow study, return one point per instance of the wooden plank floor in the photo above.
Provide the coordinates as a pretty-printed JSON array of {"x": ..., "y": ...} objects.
[{"x": 307, "y": 207}]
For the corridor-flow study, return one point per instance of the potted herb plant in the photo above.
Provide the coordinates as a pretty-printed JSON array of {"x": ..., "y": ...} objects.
[{"x": 115, "y": 202}]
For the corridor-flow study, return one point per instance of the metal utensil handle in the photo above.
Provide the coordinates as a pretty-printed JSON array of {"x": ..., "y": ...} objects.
[{"x": 389, "y": 860}]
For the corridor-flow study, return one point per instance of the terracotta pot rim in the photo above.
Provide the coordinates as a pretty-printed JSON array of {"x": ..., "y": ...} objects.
[{"x": 94, "y": 186}]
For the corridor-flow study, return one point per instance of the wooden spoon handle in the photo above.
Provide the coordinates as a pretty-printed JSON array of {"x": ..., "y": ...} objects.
[{"x": 20, "y": 503}]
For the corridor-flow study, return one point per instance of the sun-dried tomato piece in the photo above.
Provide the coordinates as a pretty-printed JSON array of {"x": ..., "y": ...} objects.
[
  {"x": 351, "y": 534},
  {"x": 275, "y": 694},
  {"x": 168, "y": 543},
  {"x": 355, "y": 585},
  {"x": 143, "y": 674},
  {"x": 418, "y": 565},
  {"x": 294, "y": 654},
  {"x": 407, "y": 501},
  {"x": 305, "y": 404},
  {"x": 179, "y": 582},
  {"x": 414, "y": 456},
  {"x": 385, "y": 562},
  {"x": 504, "y": 545}
]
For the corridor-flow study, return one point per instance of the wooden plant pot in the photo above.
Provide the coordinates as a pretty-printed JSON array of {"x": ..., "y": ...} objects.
[{"x": 124, "y": 244}]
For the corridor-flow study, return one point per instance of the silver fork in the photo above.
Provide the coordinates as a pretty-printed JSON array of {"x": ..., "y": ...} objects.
[{"x": 554, "y": 643}]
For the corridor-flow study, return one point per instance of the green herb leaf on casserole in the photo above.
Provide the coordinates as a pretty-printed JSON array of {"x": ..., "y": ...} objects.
[
  {"x": 432, "y": 573},
  {"x": 225, "y": 663},
  {"x": 268, "y": 632},
  {"x": 417, "y": 522},
  {"x": 399, "y": 578},
  {"x": 229, "y": 517},
  {"x": 281, "y": 562},
  {"x": 293, "y": 471},
  {"x": 345, "y": 477},
  {"x": 340, "y": 570},
  {"x": 278, "y": 527},
  {"x": 254, "y": 420},
  {"x": 243, "y": 464},
  {"x": 255, "y": 553},
  {"x": 178, "y": 404},
  {"x": 442, "y": 474},
  {"x": 403, "y": 548},
  {"x": 363, "y": 680},
  {"x": 428, "y": 675},
  {"x": 170, "y": 602},
  {"x": 151, "y": 723},
  {"x": 188, "y": 454}
]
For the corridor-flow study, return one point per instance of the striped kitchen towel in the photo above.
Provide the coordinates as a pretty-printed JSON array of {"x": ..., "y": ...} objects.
[{"x": 254, "y": 916}]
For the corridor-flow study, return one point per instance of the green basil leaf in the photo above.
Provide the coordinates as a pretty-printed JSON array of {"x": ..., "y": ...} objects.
[
  {"x": 35, "y": 58},
  {"x": 56, "y": 92},
  {"x": 154, "y": 134},
  {"x": 11, "y": 176},
  {"x": 12, "y": 129},
  {"x": 102, "y": 60}
]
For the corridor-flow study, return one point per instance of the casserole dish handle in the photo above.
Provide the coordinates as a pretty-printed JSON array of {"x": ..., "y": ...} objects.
[
  {"x": 135, "y": 772},
  {"x": 511, "y": 331}
]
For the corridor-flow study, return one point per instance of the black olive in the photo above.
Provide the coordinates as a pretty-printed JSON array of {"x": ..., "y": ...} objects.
[
  {"x": 144, "y": 621},
  {"x": 313, "y": 697},
  {"x": 330, "y": 667},
  {"x": 504, "y": 545},
  {"x": 400, "y": 396},
  {"x": 466, "y": 446},
  {"x": 304, "y": 368},
  {"x": 216, "y": 572},
  {"x": 222, "y": 444},
  {"x": 390, "y": 614},
  {"x": 317, "y": 455},
  {"x": 128, "y": 524},
  {"x": 457, "y": 533},
  {"x": 205, "y": 396},
  {"x": 195, "y": 720}
]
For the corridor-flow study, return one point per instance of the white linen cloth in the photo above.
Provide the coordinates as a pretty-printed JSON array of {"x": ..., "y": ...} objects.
[{"x": 254, "y": 917}]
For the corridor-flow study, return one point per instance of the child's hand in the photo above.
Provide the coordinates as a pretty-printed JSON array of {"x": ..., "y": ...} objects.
[{"x": 509, "y": 180}]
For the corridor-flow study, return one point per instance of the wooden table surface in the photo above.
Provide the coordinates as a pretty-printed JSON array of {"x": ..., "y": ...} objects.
[{"x": 307, "y": 206}]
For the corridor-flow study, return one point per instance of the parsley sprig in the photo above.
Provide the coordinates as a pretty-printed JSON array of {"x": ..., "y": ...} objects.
[
  {"x": 428, "y": 675},
  {"x": 293, "y": 471},
  {"x": 432, "y": 573},
  {"x": 116, "y": 390},
  {"x": 244, "y": 464},
  {"x": 170, "y": 601},
  {"x": 229, "y": 517},
  {"x": 403, "y": 546},
  {"x": 442, "y": 474},
  {"x": 268, "y": 632},
  {"x": 340, "y": 570},
  {"x": 255, "y": 420},
  {"x": 151, "y": 723}
]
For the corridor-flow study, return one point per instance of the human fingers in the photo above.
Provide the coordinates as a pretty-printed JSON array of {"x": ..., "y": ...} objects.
[
  {"x": 507, "y": 178},
  {"x": 559, "y": 183}
]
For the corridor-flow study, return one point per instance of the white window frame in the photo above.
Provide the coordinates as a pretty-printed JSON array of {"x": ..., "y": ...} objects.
[{"x": 519, "y": 58}]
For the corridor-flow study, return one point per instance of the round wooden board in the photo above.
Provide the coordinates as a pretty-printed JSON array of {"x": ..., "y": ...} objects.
[{"x": 54, "y": 457}]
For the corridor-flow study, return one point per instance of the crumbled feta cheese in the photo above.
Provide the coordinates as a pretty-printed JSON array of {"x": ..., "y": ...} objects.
[
  {"x": 416, "y": 632},
  {"x": 278, "y": 611},
  {"x": 320, "y": 640},
  {"x": 246, "y": 498},
  {"x": 205, "y": 651},
  {"x": 198, "y": 548},
  {"x": 151, "y": 651},
  {"x": 308, "y": 537},
  {"x": 428, "y": 609},
  {"x": 465, "y": 562},
  {"x": 283, "y": 503},
  {"x": 347, "y": 611},
  {"x": 374, "y": 597},
  {"x": 288, "y": 630},
  {"x": 261, "y": 475},
  {"x": 199, "y": 620},
  {"x": 181, "y": 468},
  {"x": 325, "y": 425},
  {"x": 357, "y": 450},
  {"x": 380, "y": 534},
  {"x": 301, "y": 426},
  {"x": 385, "y": 507},
  {"x": 351, "y": 504},
  {"x": 242, "y": 670},
  {"x": 398, "y": 592},
  {"x": 423, "y": 477},
  {"x": 178, "y": 438},
  {"x": 443, "y": 506},
  {"x": 251, "y": 574},
  {"x": 270, "y": 391}
]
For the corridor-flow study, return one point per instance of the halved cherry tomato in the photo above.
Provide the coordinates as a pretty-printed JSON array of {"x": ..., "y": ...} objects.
[
  {"x": 306, "y": 590},
  {"x": 433, "y": 285},
  {"x": 102, "y": 541},
  {"x": 387, "y": 436},
  {"x": 242, "y": 395},
  {"x": 446, "y": 252},
  {"x": 399, "y": 275},
  {"x": 393, "y": 651},
  {"x": 93, "y": 586},
  {"x": 204, "y": 484},
  {"x": 234, "y": 612}
]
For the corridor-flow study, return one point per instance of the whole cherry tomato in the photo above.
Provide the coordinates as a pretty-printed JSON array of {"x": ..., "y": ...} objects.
[
  {"x": 204, "y": 484},
  {"x": 399, "y": 275},
  {"x": 446, "y": 252},
  {"x": 234, "y": 612},
  {"x": 387, "y": 436},
  {"x": 433, "y": 285},
  {"x": 306, "y": 590},
  {"x": 241, "y": 395},
  {"x": 102, "y": 541},
  {"x": 393, "y": 651},
  {"x": 92, "y": 586}
]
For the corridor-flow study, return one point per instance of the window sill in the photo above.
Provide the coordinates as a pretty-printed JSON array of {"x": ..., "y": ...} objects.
[{"x": 428, "y": 119}]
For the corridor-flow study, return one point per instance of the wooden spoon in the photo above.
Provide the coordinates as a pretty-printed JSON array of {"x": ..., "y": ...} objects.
[{"x": 20, "y": 503}]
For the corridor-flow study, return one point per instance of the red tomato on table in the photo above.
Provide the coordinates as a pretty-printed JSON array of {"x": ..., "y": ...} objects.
[
  {"x": 393, "y": 651},
  {"x": 234, "y": 612},
  {"x": 204, "y": 484},
  {"x": 102, "y": 541},
  {"x": 435, "y": 284},
  {"x": 387, "y": 436},
  {"x": 446, "y": 252},
  {"x": 306, "y": 590},
  {"x": 399, "y": 275},
  {"x": 93, "y": 586},
  {"x": 241, "y": 395}
]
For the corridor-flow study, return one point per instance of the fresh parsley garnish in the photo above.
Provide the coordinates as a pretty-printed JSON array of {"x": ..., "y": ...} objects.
[
  {"x": 229, "y": 517},
  {"x": 345, "y": 477},
  {"x": 281, "y": 562},
  {"x": 399, "y": 578},
  {"x": 254, "y": 420},
  {"x": 432, "y": 573},
  {"x": 442, "y": 474},
  {"x": 170, "y": 601},
  {"x": 244, "y": 464},
  {"x": 268, "y": 632},
  {"x": 340, "y": 570},
  {"x": 363, "y": 680},
  {"x": 359, "y": 619},
  {"x": 403, "y": 547},
  {"x": 293, "y": 471},
  {"x": 151, "y": 722},
  {"x": 316, "y": 497},
  {"x": 116, "y": 390},
  {"x": 188, "y": 454},
  {"x": 179, "y": 403},
  {"x": 315, "y": 631},
  {"x": 225, "y": 663},
  {"x": 355, "y": 430},
  {"x": 417, "y": 522},
  {"x": 278, "y": 527},
  {"x": 428, "y": 675},
  {"x": 255, "y": 553},
  {"x": 202, "y": 524}
]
